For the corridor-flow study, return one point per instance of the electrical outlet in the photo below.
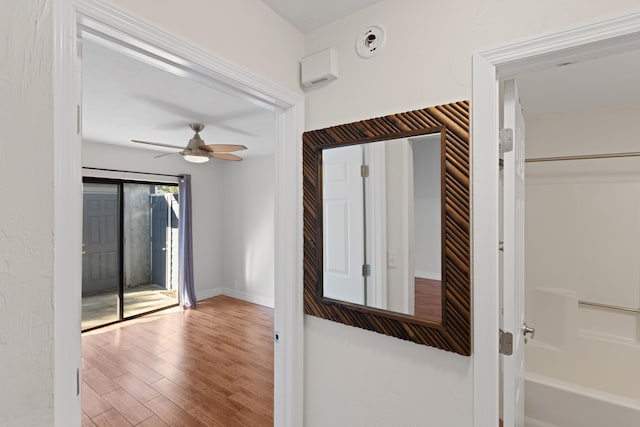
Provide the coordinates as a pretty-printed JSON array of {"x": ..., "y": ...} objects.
[{"x": 392, "y": 259}]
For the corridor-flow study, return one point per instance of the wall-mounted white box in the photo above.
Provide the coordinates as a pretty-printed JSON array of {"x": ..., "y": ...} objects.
[{"x": 319, "y": 68}]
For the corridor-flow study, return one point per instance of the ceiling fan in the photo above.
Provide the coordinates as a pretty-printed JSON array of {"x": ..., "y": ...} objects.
[{"x": 197, "y": 151}]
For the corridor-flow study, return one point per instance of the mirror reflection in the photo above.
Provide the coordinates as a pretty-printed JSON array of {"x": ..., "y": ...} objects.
[{"x": 382, "y": 225}]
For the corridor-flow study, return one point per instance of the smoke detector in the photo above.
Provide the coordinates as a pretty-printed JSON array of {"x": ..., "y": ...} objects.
[{"x": 368, "y": 43}]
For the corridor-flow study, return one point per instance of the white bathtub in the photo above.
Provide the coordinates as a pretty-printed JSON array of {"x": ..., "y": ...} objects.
[{"x": 554, "y": 403}]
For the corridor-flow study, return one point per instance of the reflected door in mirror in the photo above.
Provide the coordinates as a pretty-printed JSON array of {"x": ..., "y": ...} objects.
[
  {"x": 382, "y": 210},
  {"x": 343, "y": 213}
]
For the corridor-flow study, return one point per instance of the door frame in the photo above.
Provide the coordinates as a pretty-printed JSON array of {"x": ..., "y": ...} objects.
[
  {"x": 289, "y": 115},
  {"x": 490, "y": 67}
]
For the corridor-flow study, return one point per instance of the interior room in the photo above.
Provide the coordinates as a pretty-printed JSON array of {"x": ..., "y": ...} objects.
[
  {"x": 405, "y": 68},
  {"x": 130, "y": 103},
  {"x": 581, "y": 247}
]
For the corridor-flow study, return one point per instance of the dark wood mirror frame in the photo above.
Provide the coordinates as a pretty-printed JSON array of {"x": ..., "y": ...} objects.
[{"x": 453, "y": 333}]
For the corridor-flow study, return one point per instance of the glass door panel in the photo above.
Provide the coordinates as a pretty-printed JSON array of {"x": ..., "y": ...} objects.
[
  {"x": 151, "y": 247},
  {"x": 100, "y": 254}
]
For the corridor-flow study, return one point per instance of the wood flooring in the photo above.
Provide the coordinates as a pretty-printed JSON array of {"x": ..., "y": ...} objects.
[
  {"x": 212, "y": 366},
  {"x": 428, "y": 299}
]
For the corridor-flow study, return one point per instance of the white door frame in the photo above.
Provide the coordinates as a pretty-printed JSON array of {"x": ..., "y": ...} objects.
[
  {"x": 289, "y": 107},
  {"x": 489, "y": 68}
]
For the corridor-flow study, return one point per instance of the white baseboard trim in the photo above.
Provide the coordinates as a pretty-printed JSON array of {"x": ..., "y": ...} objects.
[
  {"x": 532, "y": 422},
  {"x": 209, "y": 293},
  {"x": 235, "y": 293},
  {"x": 428, "y": 275}
]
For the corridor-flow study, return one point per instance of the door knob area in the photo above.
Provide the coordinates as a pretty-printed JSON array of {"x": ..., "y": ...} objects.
[{"x": 528, "y": 330}]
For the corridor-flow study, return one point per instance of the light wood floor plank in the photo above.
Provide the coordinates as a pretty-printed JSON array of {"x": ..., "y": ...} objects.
[
  {"x": 128, "y": 406},
  {"x": 92, "y": 403},
  {"x": 137, "y": 388},
  {"x": 212, "y": 366},
  {"x": 111, "y": 418}
]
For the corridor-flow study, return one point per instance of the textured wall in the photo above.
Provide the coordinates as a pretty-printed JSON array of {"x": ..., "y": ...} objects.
[{"x": 26, "y": 216}]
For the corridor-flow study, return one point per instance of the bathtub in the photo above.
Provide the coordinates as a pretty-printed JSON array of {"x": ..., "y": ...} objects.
[{"x": 555, "y": 403}]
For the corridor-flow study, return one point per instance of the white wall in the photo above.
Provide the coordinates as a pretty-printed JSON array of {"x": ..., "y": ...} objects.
[
  {"x": 206, "y": 198},
  {"x": 400, "y": 226},
  {"x": 426, "y": 61},
  {"x": 428, "y": 207},
  {"x": 247, "y": 205},
  {"x": 583, "y": 243},
  {"x": 583, "y": 217},
  {"x": 26, "y": 217},
  {"x": 408, "y": 73},
  {"x": 245, "y": 32}
]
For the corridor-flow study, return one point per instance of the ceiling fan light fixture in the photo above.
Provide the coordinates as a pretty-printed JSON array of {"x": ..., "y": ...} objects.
[{"x": 195, "y": 158}]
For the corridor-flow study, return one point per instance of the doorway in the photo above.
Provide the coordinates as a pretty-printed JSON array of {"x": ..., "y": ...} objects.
[
  {"x": 130, "y": 250},
  {"x": 491, "y": 68},
  {"x": 86, "y": 16}
]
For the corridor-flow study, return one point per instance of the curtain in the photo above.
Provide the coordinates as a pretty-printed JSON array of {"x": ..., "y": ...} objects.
[{"x": 185, "y": 244}]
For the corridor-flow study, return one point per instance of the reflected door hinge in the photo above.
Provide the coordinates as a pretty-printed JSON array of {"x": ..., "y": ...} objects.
[
  {"x": 506, "y": 343},
  {"x": 78, "y": 119},
  {"x": 506, "y": 140},
  {"x": 366, "y": 270},
  {"x": 364, "y": 171}
]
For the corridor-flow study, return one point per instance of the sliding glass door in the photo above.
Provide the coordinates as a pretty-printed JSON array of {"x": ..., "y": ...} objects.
[
  {"x": 130, "y": 250},
  {"x": 101, "y": 253}
]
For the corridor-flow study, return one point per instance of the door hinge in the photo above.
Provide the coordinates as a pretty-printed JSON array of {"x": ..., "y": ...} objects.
[
  {"x": 366, "y": 270},
  {"x": 506, "y": 140},
  {"x": 78, "y": 121},
  {"x": 506, "y": 343},
  {"x": 364, "y": 171},
  {"x": 501, "y": 246}
]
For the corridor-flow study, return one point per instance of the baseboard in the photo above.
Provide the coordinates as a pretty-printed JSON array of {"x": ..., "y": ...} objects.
[
  {"x": 532, "y": 422},
  {"x": 209, "y": 293},
  {"x": 235, "y": 293},
  {"x": 427, "y": 275}
]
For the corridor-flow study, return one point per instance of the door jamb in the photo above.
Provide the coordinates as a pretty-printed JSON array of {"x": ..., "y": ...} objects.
[
  {"x": 289, "y": 112},
  {"x": 489, "y": 68}
]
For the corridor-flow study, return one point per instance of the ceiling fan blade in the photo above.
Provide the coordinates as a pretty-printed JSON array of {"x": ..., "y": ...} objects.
[
  {"x": 165, "y": 154},
  {"x": 222, "y": 148},
  {"x": 226, "y": 156},
  {"x": 159, "y": 144}
]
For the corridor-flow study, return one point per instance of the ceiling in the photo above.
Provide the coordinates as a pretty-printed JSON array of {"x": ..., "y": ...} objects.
[
  {"x": 307, "y": 15},
  {"x": 125, "y": 99},
  {"x": 607, "y": 81}
]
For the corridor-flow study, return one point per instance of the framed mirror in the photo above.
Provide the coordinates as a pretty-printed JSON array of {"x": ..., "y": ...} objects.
[{"x": 387, "y": 225}]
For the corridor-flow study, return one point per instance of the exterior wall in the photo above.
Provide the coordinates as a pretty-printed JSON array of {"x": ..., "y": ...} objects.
[
  {"x": 370, "y": 379},
  {"x": 137, "y": 223},
  {"x": 26, "y": 217}
]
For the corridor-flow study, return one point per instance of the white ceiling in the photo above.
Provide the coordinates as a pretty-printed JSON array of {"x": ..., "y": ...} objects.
[
  {"x": 307, "y": 15},
  {"x": 608, "y": 81},
  {"x": 124, "y": 99}
]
